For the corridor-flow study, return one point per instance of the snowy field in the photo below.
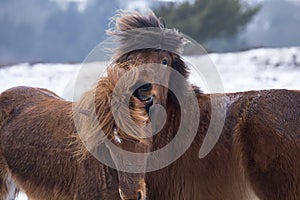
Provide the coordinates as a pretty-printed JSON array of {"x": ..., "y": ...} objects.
[
  {"x": 249, "y": 70},
  {"x": 242, "y": 71}
]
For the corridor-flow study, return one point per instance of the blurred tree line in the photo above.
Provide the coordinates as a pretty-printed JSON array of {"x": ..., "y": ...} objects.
[
  {"x": 210, "y": 22},
  {"x": 34, "y": 30}
]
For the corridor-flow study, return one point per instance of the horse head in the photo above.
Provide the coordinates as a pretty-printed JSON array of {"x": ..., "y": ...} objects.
[{"x": 145, "y": 44}]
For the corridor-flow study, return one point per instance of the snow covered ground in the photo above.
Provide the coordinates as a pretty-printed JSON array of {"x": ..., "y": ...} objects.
[{"x": 249, "y": 70}]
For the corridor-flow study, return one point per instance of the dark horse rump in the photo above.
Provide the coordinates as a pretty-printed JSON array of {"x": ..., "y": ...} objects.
[
  {"x": 267, "y": 141},
  {"x": 14, "y": 128}
]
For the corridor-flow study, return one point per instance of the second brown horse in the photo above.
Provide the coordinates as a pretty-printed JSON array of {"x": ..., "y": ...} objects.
[{"x": 45, "y": 142}]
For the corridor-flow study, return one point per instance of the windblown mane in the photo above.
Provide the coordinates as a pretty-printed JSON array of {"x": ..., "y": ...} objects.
[
  {"x": 94, "y": 116},
  {"x": 134, "y": 31}
]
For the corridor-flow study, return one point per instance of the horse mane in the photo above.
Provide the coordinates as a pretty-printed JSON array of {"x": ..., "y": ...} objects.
[{"x": 94, "y": 117}]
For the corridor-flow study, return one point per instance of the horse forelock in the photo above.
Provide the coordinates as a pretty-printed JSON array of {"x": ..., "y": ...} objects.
[
  {"x": 125, "y": 21},
  {"x": 134, "y": 31}
]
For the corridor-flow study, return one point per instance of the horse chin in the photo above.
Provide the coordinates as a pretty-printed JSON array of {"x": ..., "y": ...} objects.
[{"x": 139, "y": 194}]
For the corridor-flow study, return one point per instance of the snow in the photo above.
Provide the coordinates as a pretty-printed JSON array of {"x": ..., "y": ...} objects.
[
  {"x": 50, "y": 76},
  {"x": 259, "y": 69},
  {"x": 241, "y": 71},
  {"x": 250, "y": 70}
]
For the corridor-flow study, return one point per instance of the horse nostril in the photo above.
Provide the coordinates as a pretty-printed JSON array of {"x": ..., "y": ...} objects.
[
  {"x": 141, "y": 92},
  {"x": 149, "y": 102},
  {"x": 146, "y": 87},
  {"x": 139, "y": 195}
]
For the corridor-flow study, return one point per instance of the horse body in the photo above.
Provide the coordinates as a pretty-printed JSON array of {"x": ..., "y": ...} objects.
[
  {"x": 257, "y": 154},
  {"x": 38, "y": 154},
  {"x": 258, "y": 151}
]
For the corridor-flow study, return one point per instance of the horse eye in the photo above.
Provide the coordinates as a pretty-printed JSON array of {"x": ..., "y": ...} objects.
[{"x": 164, "y": 61}]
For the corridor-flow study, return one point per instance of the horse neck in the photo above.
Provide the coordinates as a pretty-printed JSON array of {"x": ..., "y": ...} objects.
[
  {"x": 92, "y": 170},
  {"x": 164, "y": 136},
  {"x": 172, "y": 124},
  {"x": 183, "y": 168}
]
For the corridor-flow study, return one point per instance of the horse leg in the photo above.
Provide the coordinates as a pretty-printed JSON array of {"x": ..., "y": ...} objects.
[{"x": 8, "y": 189}]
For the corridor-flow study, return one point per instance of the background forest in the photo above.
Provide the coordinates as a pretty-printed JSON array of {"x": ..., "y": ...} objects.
[{"x": 66, "y": 31}]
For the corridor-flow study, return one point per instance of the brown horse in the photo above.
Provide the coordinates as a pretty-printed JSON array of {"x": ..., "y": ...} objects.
[
  {"x": 46, "y": 144},
  {"x": 258, "y": 152}
]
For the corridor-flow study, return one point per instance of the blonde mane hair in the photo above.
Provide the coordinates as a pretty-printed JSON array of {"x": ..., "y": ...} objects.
[{"x": 94, "y": 116}]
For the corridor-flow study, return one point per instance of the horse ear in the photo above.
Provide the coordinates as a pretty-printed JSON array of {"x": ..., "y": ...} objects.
[{"x": 179, "y": 65}]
